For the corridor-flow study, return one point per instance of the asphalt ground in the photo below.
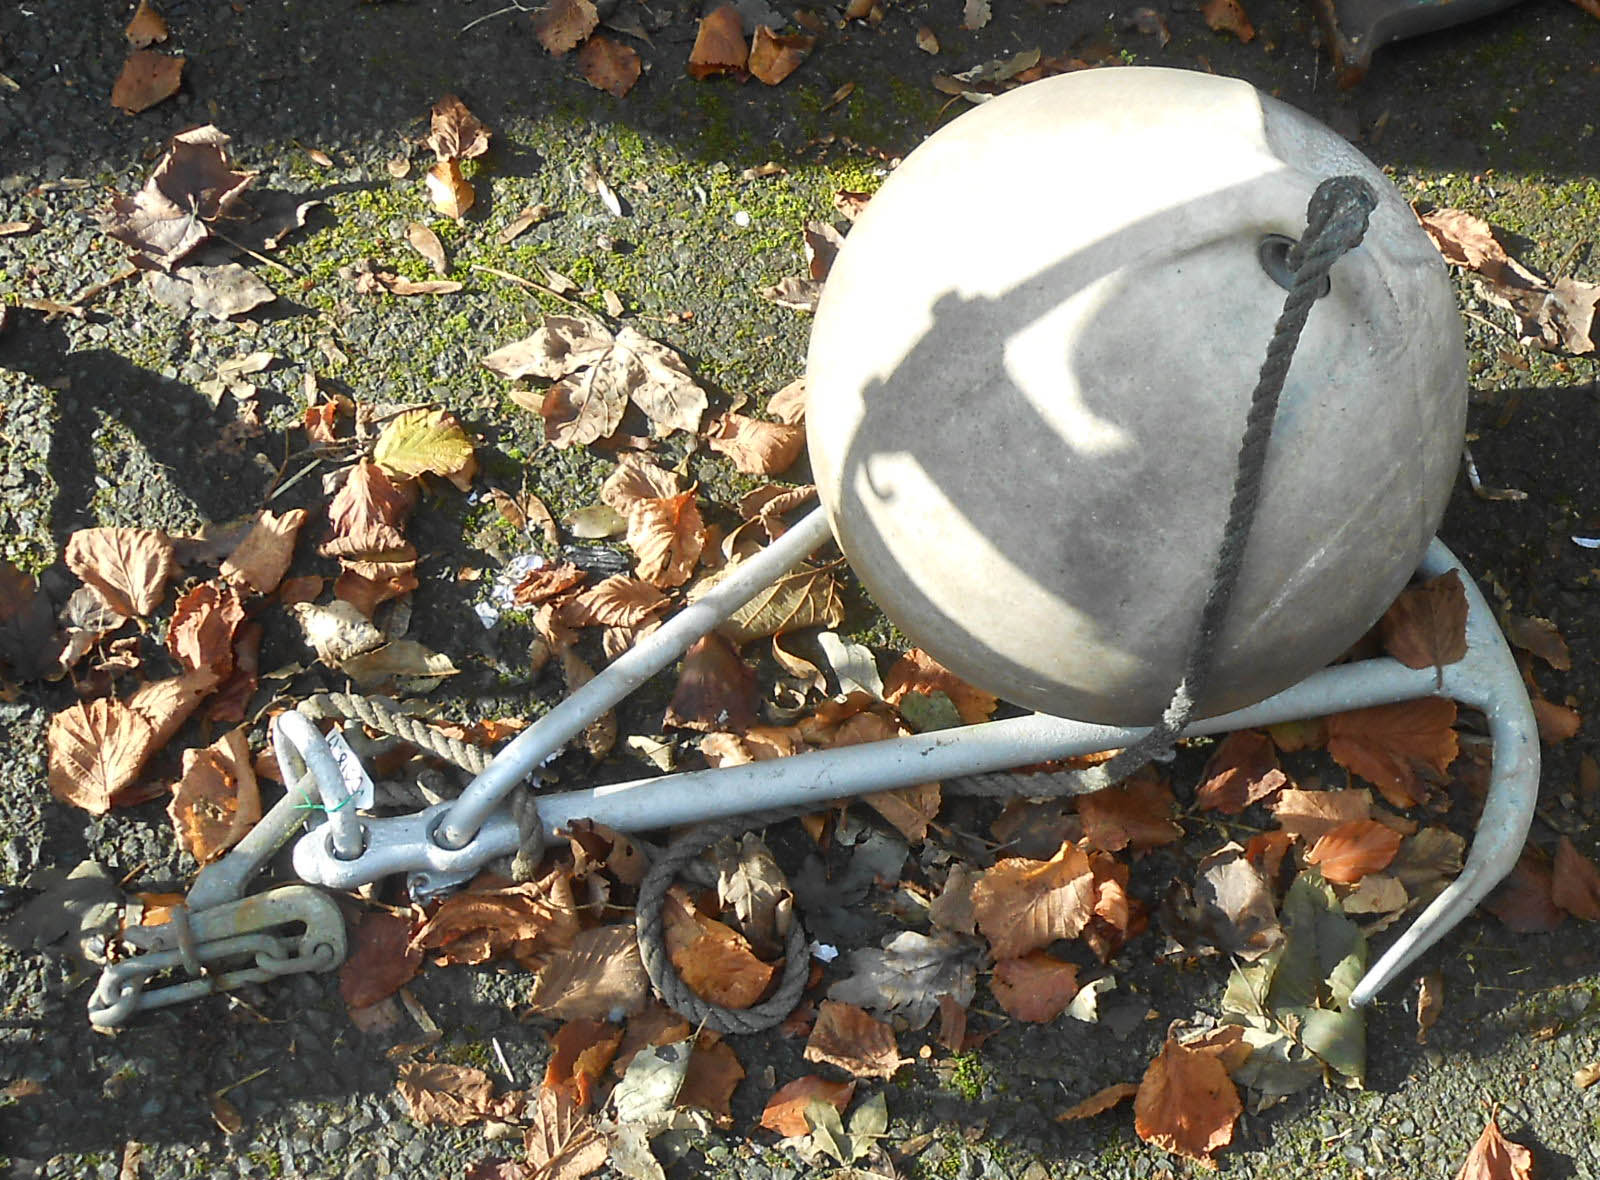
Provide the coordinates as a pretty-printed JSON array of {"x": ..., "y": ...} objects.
[{"x": 104, "y": 424}]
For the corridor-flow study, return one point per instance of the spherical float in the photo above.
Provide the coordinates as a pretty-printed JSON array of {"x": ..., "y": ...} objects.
[{"x": 1029, "y": 374}]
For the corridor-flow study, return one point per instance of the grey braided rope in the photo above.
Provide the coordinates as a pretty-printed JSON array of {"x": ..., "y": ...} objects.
[
  {"x": 653, "y": 943},
  {"x": 1336, "y": 221}
]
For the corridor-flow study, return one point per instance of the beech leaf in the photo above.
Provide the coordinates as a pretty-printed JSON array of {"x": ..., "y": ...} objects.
[
  {"x": 1426, "y": 627},
  {"x": 804, "y": 597},
  {"x": 454, "y": 133},
  {"x": 264, "y": 556},
  {"x": 854, "y": 1040},
  {"x": 1036, "y": 988},
  {"x": 667, "y": 536},
  {"x": 1187, "y": 1104},
  {"x": 129, "y": 567},
  {"x": 1494, "y": 1157},
  {"x": 1390, "y": 745},
  {"x": 1023, "y": 905},
  {"x": 756, "y": 447},
  {"x": 429, "y": 442},
  {"x": 96, "y": 750},
  {"x": 216, "y": 801}
]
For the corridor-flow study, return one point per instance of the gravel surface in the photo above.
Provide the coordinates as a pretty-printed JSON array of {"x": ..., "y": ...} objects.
[{"x": 103, "y": 423}]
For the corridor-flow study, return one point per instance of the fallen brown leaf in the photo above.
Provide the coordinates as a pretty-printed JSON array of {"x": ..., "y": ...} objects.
[
  {"x": 1390, "y": 745},
  {"x": 452, "y": 1095},
  {"x": 1035, "y": 988},
  {"x": 667, "y": 536},
  {"x": 381, "y": 961},
  {"x": 713, "y": 959},
  {"x": 756, "y": 447},
  {"x": 716, "y": 689},
  {"x": 773, "y": 57},
  {"x": 854, "y": 1040},
  {"x": 918, "y": 672},
  {"x": 1525, "y": 900},
  {"x": 492, "y": 920},
  {"x": 216, "y": 801},
  {"x": 147, "y": 78},
  {"x": 1242, "y": 770},
  {"x": 719, "y": 45},
  {"x": 1575, "y": 882},
  {"x": 806, "y": 596},
  {"x": 263, "y": 557},
  {"x": 96, "y": 750},
  {"x": 146, "y": 27},
  {"x": 1494, "y": 1157},
  {"x": 785, "y": 1111},
  {"x": 618, "y": 601},
  {"x": 1309, "y": 814},
  {"x": 426, "y": 243},
  {"x": 598, "y": 975},
  {"x": 562, "y": 1141},
  {"x": 579, "y": 1054},
  {"x": 1229, "y": 16},
  {"x": 1187, "y": 1104},
  {"x": 1350, "y": 851},
  {"x": 1426, "y": 627},
  {"x": 1540, "y": 637},
  {"x": 609, "y": 65},
  {"x": 454, "y": 133},
  {"x": 1098, "y": 1102},
  {"x": 1138, "y": 815},
  {"x": 713, "y": 1075},
  {"x": 193, "y": 183},
  {"x": 1556, "y": 722},
  {"x": 448, "y": 192},
  {"x": 129, "y": 567},
  {"x": 1430, "y": 1002},
  {"x": 1023, "y": 905},
  {"x": 562, "y": 24},
  {"x": 203, "y": 625}
]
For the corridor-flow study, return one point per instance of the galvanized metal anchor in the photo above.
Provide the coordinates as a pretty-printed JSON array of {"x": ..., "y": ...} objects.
[
  {"x": 446, "y": 844},
  {"x": 220, "y": 939}
]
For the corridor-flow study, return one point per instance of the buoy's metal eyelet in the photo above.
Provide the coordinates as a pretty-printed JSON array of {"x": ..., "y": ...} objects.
[{"x": 1273, "y": 254}]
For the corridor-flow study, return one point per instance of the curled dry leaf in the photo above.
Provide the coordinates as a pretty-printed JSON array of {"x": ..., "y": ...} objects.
[
  {"x": 579, "y": 1054},
  {"x": 609, "y": 65},
  {"x": 1187, "y": 1104},
  {"x": 1022, "y": 905},
  {"x": 1426, "y": 627},
  {"x": 1525, "y": 900},
  {"x": 719, "y": 45},
  {"x": 263, "y": 557},
  {"x": 667, "y": 536},
  {"x": 773, "y": 57},
  {"x": 1243, "y": 770},
  {"x": 1036, "y": 988},
  {"x": 1430, "y": 1002},
  {"x": 756, "y": 447},
  {"x": 336, "y": 632},
  {"x": 129, "y": 567},
  {"x": 636, "y": 479},
  {"x": 193, "y": 183},
  {"x": 492, "y": 921},
  {"x": 370, "y": 504},
  {"x": 426, "y": 243},
  {"x": 1099, "y": 1102},
  {"x": 448, "y": 191},
  {"x": 562, "y": 24},
  {"x": 1392, "y": 746},
  {"x": 789, "y": 403},
  {"x": 428, "y": 442},
  {"x": 454, "y": 133},
  {"x": 216, "y": 801},
  {"x": 1229, "y": 16},
  {"x": 1540, "y": 637},
  {"x": 1494, "y": 1157},
  {"x": 147, "y": 78},
  {"x": 1556, "y": 723},
  {"x": 1350, "y": 851},
  {"x": 203, "y": 625},
  {"x": 167, "y": 704},
  {"x": 785, "y": 1111},
  {"x": 716, "y": 689},
  {"x": 854, "y": 1040}
]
